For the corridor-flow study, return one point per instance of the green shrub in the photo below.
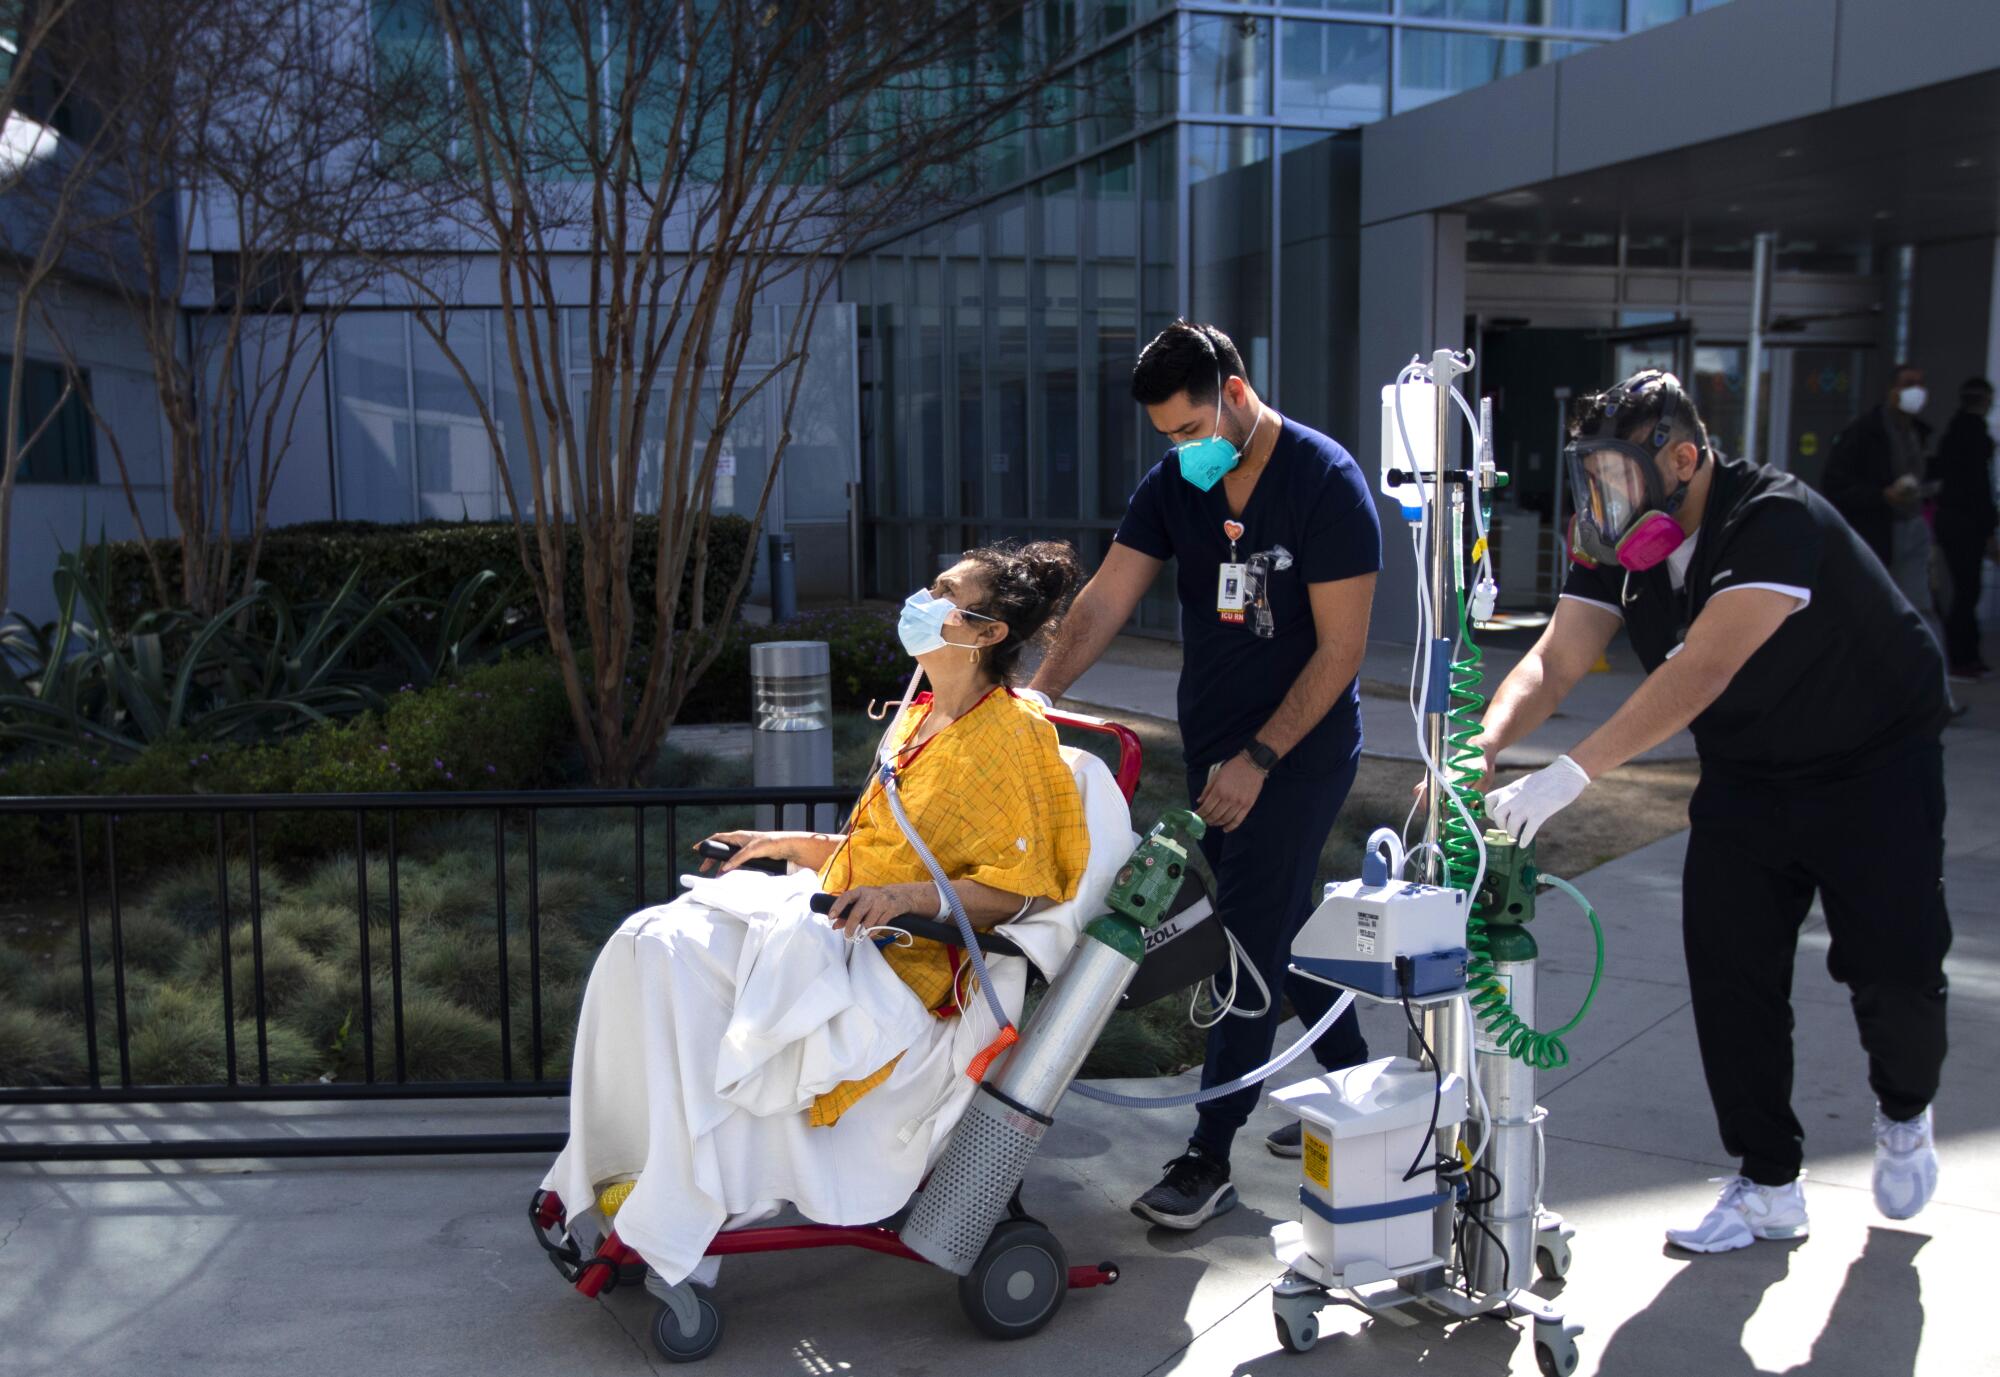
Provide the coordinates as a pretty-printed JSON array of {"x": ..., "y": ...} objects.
[
  {"x": 463, "y": 967},
  {"x": 865, "y": 661},
  {"x": 500, "y": 726},
  {"x": 177, "y": 1039},
  {"x": 152, "y": 942},
  {"x": 442, "y": 1042},
  {"x": 310, "y": 561},
  {"x": 39, "y": 1049}
]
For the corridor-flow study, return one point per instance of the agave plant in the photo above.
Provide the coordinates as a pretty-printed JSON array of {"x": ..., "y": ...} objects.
[{"x": 258, "y": 669}]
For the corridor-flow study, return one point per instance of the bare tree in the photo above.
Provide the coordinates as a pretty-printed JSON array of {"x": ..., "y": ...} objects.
[
  {"x": 666, "y": 165},
  {"x": 43, "y": 173},
  {"x": 235, "y": 162}
]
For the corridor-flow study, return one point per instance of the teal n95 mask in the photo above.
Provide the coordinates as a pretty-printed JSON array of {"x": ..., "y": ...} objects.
[{"x": 1204, "y": 461}]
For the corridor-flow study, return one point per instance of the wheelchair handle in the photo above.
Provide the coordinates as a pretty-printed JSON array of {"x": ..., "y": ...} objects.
[
  {"x": 712, "y": 850},
  {"x": 991, "y": 943}
]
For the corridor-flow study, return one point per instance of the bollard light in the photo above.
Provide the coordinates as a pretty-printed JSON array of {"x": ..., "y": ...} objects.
[{"x": 791, "y": 721}]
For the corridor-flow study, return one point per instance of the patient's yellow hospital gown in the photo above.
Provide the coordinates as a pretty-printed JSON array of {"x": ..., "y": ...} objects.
[{"x": 994, "y": 801}]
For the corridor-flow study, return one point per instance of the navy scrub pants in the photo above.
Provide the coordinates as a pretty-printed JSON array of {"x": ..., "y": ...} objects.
[
  {"x": 1872, "y": 847},
  {"x": 1266, "y": 874}
]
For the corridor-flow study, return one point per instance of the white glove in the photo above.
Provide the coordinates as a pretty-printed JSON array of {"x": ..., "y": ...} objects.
[
  {"x": 1523, "y": 806},
  {"x": 1038, "y": 696}
]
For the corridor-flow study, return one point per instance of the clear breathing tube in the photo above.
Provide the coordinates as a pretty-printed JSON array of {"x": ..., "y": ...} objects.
[{"x": 1243, "y": 1082}]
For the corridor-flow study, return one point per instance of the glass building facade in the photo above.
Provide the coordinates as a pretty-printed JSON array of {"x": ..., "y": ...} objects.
[{"x": 1203, "y": 163}]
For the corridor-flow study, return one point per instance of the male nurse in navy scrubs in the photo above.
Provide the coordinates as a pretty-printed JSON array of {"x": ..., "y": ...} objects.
[{"x": 1277, "y": 542}]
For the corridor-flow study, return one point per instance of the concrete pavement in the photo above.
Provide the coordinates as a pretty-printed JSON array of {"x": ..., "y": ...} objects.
[{"x": 425, "y": 1266}]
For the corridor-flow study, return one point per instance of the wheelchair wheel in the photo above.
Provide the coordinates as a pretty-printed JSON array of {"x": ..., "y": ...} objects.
[
  {"x": 676, "y": 1345},
  {"x": 1018, "y": 1283}
]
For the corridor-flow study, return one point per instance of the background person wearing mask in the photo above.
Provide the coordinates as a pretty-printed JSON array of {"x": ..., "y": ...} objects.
[
  {"x": 1875, "y": 478},
  {"x": 1269, "y": 715},
  {"x": 1967, "y": 518},
  {"x": 1815, "y": 695}
]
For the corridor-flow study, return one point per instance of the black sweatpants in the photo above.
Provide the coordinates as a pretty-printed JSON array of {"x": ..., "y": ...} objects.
[
  {"x": 1266, "y": 874},
  {"x": 1872, "y": 847},
  {"x": 1964, "y": 556}
]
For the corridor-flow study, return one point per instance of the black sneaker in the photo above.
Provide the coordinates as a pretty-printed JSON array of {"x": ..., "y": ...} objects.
[
  {"x": 1288, "y": 1141},
  {"x": 1195, "y": 1189}
]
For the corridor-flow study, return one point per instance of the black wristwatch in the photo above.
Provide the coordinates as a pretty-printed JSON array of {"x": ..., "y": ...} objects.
[{"x": 1262, "y": 756}]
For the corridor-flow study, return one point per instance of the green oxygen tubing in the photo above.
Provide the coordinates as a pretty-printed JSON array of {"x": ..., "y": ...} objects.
[{"x": 1465, "y": 849}]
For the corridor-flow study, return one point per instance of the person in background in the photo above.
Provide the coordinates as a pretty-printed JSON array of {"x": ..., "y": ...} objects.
[
  {"x": 1967, "y": 518},
  {"x": 1875, "y": 478}
]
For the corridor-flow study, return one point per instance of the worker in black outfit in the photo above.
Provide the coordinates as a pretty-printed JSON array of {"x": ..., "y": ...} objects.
[
  {"x": 1815, "y": 694},
  {"x": 1967, "y": 518},
  {"x": 1274, "y": 530}
]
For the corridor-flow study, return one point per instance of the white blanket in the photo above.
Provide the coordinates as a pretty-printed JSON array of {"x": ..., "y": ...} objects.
[{"x": 710, "y": 1024}]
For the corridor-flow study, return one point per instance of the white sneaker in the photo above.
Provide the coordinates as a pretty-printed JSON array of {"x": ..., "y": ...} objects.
[
  {"x": 1745, "y": 1212},
  {"x": 1906, "y": 1165}
]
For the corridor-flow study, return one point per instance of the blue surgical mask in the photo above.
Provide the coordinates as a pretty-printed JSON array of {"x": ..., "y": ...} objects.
[
  {"x": 1204, "y": 461},
  {"x": 921, "y": 627}
]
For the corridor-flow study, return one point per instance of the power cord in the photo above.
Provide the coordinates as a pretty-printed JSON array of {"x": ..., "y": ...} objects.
[{"x": 1405, "y": 977}]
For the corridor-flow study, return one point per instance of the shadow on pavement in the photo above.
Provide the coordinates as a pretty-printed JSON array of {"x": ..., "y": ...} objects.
[{"x": 1874, "y": 1325}]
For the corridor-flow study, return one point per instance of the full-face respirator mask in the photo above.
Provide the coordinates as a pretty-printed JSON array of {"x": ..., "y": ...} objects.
[{"x": 1624, "y": 514}]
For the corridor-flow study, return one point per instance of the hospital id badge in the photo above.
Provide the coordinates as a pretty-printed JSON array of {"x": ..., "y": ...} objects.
[{"x": 1231, "y": 592}]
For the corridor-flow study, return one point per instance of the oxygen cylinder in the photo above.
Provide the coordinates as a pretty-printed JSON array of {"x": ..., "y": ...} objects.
[
  {"x": 968, "y": 1190},
  {"x": 1509, "y": 1086}
]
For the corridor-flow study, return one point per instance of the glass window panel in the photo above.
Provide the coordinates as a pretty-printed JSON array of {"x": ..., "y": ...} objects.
[
  {"x": 65, "y": 448},
  {"x": 1720, "y": 250},
  {"x": 1560, "y": 14},
  {"x": 1652, "y": 249},
  {"x": 1113, "y": 101},
  {"x": 1111, "y": 319},
  {"x": 513, "y": 425},
  {"x": 1436, "y": 64},
  {"x": 1318, "y": 266},
  {"x": 746, "y": 445},
  {"x": 1344, "y": 6},
  {"x": 1229, "y": 64},
  {"x": 1055, "y": 351},
  {"x": 1229, "y": 176},
  {"x": 1338, "y": 73},
  {"x": 888, "y": 328},
  {"x": 1159, "y": 69},
  {"x": 1056, "y": 121},
  {"x": 1158, "y": 220},
  {"x": 1007, "y": 356},
  {"x": 454, "y": 455},
  {"x": 1647, "y": 14},
  {"x": 1821, "y": 256},
  {"x": 371, "y": 377},
  {"x": 819, "y": 459},
  {"x": 968, "y": 350}
]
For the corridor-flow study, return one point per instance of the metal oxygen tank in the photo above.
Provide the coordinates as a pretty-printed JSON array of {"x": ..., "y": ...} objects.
[
  {"x": 967, "y": 1193},
  {"x": 1506, "y": 902}
]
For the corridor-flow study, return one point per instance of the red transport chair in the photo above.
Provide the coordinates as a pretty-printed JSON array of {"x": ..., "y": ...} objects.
[{"x": 1014, "y": 1290}]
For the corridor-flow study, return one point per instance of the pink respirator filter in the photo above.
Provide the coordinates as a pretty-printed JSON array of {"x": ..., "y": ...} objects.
[{"x": 1655, "y": 537}]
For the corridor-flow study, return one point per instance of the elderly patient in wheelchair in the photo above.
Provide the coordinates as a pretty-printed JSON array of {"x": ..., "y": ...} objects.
[{"x": 737, "y": 1051}]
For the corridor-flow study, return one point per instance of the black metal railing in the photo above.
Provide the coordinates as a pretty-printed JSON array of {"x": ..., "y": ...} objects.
[{"x": 236, "y": 1088}]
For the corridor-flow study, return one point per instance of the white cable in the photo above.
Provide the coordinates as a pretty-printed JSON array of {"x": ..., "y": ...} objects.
[
  {"x": 1221, "y": 1006},
  {"x": 1478, "y": 1090}
]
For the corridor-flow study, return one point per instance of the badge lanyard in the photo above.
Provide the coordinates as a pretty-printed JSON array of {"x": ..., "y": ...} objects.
[{"x": 1231, "y": 582}]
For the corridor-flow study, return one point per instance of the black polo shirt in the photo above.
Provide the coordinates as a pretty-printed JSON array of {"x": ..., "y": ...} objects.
[
  {"x": 1312, "y": 499},
  {"x": 1845, "y": 682}
]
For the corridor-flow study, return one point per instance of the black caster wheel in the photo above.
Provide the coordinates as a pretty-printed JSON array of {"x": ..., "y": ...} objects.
[
  {"x": 632, "y": 1274},
  {"x": 1296, "y": 1335},
  {"x": 1556, "y": 1353},
  {"x": 1552, "y": 1259},
  {"x": 676, "y": 1345},
  {"x": 1018, "y": 1283}
]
